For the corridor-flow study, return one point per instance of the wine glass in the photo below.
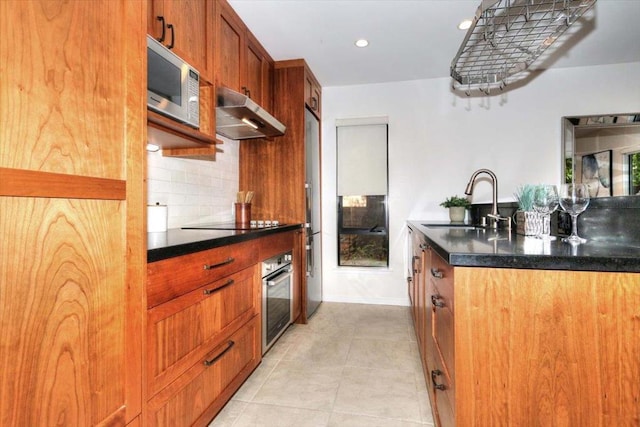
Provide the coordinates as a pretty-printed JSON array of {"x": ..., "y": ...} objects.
[
  {"x": 574, "y": 199},
  {"x": 545, "y": 202}
]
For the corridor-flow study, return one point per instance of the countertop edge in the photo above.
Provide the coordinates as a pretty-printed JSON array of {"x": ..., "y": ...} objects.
[
  {"x": 618, "y": 264},
  {"x": 202, "y": 244}
]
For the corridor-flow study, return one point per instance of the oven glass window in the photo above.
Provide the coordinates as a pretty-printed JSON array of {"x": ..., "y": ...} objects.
[{"x": 278, "y": 304}]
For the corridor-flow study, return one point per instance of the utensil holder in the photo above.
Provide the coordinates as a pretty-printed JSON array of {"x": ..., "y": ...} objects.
[{"x": 243, "y": 213}]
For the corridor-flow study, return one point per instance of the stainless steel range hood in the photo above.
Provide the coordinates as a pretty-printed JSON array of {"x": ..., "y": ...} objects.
[{"x": 239, "y": 117}]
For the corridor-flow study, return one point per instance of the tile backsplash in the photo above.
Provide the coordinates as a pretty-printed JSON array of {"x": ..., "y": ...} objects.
[{"x": 195, "y": 191}]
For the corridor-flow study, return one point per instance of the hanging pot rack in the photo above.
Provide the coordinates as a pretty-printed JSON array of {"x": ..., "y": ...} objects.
[{"x": 507, "y": 36}]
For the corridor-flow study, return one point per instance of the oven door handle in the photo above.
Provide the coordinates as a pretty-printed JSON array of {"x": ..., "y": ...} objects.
[{"x": 280, "y": 277}]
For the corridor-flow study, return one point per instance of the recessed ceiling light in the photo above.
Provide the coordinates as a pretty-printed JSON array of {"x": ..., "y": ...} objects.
[
  {"x": 465, "y": 24},
  {"x": 362, "y": 43},
  {"x": 153, "y": 148}
]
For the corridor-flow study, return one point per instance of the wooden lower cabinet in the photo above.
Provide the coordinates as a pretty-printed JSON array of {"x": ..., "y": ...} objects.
[
  {"x": 202, "y": 344},
  {"x": 514, "y": 347},
  {"x": 204, "y": 327},
  {"x": 204, "y": 388},
  {"x": 183, "y": 331}
]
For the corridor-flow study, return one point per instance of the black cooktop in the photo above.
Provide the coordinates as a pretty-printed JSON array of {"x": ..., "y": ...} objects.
[{"x": 226, "y": 226}]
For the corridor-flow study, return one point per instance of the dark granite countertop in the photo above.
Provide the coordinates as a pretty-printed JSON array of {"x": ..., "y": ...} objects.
[
  {"x": 470, "y": 247},
  {"x": 177, "y": 242}
]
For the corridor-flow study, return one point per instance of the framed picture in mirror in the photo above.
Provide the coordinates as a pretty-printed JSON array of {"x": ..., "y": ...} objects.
[{"x": 597, "y": 174}]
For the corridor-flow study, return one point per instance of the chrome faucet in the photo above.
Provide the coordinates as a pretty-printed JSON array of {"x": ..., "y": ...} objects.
[{"x": 494, "y": 215}]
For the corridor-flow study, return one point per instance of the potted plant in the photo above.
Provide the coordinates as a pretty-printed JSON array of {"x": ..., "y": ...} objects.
[
  {"x": 528, "y": 221},
  {"x": 457, "y": 206}
]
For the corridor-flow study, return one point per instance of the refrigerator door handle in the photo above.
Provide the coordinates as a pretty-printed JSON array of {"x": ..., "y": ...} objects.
[
  {"x": 310, "y": 255},
  {"x": 309, "y": 201}
]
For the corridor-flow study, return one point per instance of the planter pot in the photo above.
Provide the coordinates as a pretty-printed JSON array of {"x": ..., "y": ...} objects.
[
  {"x": 528, "y": 223},
  {"x": 456, "y": 213}
]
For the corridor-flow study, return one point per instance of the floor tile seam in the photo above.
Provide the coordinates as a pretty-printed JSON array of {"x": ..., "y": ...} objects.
[
  {"x": 262, "y": 383},
  {"x": 235, "y": 420},
  {"x": 404, "y": 371},
  {"x": 360, "y": 414},
  {"x": 272, "y": 405},
  {"x": 344, "y": 365}
]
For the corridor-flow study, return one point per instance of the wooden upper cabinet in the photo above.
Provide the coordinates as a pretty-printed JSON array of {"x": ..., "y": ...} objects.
[
  {"x": 230, "y": 36},
  {"x": 312, "y": 93},
  {"x": 186, "y": 27},
  {"x": 242, "y": 64},
  {"x": 259, "y": 76}
]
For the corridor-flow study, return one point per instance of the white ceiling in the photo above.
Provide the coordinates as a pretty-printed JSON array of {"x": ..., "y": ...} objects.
[{"x": 414, "y": 39}]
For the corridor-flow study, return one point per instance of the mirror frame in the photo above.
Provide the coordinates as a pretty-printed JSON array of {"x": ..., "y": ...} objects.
[{"x": 569, "y": 125}]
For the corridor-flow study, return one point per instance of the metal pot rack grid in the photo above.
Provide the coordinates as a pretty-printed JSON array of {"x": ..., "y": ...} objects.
[{"x": 507, "y": 36}]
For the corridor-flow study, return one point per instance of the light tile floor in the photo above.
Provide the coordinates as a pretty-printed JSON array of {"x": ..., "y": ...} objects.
[{"x": 353, "y": 365}]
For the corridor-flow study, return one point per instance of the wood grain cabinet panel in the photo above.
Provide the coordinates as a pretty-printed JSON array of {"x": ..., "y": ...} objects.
[
  {"x": 312, "y": 94},
  {"x": 62, "y": 311},
  {"x": 556, "y": 347},
  {"x": 180, "y": 331},
  {"x": 230, "y": 40},
  {"x": 170, "y": 278},
  {"x": 242, "y": 63},
  {"x": 62, "y": 110},
  {"x": 192, "y": 28},
  {"x": 205, "y": 387},
  {"x": 72, "y": 107}
]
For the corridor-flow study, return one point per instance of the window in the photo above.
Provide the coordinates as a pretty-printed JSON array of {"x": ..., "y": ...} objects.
[
  {"x": 634, "y": 173},
  {"x": 362, "y": 181}
]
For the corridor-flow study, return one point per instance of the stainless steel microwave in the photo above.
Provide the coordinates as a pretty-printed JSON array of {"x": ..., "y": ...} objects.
[{"x": 173, "y": 86}]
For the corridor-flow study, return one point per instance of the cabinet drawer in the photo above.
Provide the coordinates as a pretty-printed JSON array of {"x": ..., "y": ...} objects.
[
  {"x": 276, "y": 244},
  {"x": 195, "y": 397},
  {"x": 183, "y": 330},
  {"x": 173, "y": 277},
  {"x": 443, "y": 397}
]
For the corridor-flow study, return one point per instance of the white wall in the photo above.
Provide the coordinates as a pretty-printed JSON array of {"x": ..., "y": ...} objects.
[
  {"x": 437, "y": 140},
  {"x": 195, "y": 191}
]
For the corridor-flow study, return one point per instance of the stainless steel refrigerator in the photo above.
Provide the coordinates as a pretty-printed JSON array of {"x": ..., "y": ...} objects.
[{"x": 313, "y": 225}]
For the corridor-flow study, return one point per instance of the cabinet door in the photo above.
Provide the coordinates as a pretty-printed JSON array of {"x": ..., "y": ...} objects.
[
  {"x": 202, "y": 391},
  {"x": 71, "y": 187},
  {"x": 255, "y": 69},
  {"x": 188, "y": 29},
  {"x": 230, "y": 38},
  {"x": 312, "y": 93}
]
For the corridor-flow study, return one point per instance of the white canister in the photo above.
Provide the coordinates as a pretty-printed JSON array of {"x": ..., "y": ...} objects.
[{"x": 156, "y": 218}]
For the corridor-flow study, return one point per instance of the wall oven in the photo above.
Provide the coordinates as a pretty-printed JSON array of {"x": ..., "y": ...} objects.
[{"x": 277, "y": 287}]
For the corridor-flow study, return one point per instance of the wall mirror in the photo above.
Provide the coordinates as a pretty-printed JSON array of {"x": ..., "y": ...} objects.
[{"x": 603, "y": 152}]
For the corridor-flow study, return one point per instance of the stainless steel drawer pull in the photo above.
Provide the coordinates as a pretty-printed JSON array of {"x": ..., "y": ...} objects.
[
  {"x": 436, "y": 301},
  {"x": 436, "y": 373},
  {"x": 215, "y": 359},
  {"x": 211, "y": 291},
  {"x": 436, "y": 273},
  {"x": 220, "y": 264}
]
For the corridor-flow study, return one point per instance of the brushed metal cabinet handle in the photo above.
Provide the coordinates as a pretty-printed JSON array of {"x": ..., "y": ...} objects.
[
  {"x": 215, "y": 359},
  {"x": 220, "y": 264},
  {"x": 212, "y": 291}
]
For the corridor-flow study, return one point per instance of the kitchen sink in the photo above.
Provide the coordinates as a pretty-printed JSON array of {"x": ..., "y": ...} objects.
[{"x": 459, "y": 226}]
